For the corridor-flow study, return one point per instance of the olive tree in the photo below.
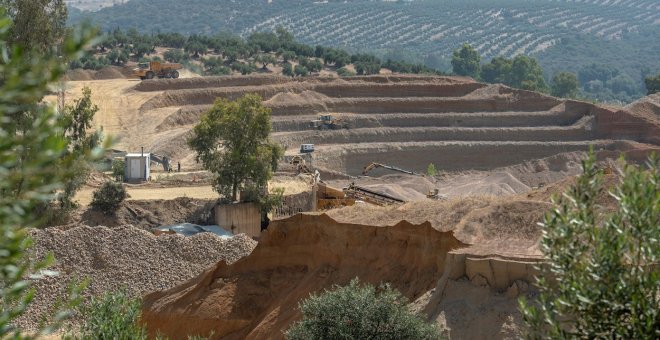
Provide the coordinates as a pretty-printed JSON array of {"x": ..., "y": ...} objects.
[
  {"x": 33, "y": 166},
  {"x": 601, "y": 279},
  {"x": 360, "y": 312},
  {"x": 231, "y": 141}
]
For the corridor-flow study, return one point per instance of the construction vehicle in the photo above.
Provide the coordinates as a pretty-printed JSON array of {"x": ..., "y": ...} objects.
[
  {"x": 328, "y": 197},
  {"x": 301, "y": 166},
  {"x": 436, "y": 195},
  {"x": 158, "y": 69},
  {"x": 162, "y": 160},
  {"x": 367, "y": 195},
  {"x": 306, "y": 148},
  {"x": 328, "y": 122},
  {"x": 374, "y": 165}
]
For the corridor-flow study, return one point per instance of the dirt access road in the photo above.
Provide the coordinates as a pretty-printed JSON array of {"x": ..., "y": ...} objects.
[
  {"x": 291, "y": 186},
  {"x": 84, "y": 196},
  {"x": 119, "y": 114}
]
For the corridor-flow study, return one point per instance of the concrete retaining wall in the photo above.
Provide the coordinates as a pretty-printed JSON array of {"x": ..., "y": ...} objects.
[{"x": 240, "y": 218}]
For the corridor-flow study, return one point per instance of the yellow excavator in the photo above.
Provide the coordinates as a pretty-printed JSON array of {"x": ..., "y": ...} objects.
[
  {"x": 300, "y": 164},
  {"x": 328, "y": 122},
  {"x": 158, "y": 69},
  {"x": 374, "y": 165}
]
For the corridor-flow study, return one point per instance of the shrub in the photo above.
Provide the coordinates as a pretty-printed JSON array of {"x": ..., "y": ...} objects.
[
  {"x": 287, "y": 70},
  {"x": 118, "y": 166},
  {"x": 300, "y": 70},
  {"x": 113, "y": 316},
  {"x": 360, "y": 312},
  {"x": 108, "y": 197},
  {"x": 344, "y": 72},
  {"x": 430, "y": 170},
  {"x": 601, "y": 279}
]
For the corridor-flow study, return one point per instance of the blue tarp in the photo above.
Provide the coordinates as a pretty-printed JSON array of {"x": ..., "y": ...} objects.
[{"x": 189, "y": 229}]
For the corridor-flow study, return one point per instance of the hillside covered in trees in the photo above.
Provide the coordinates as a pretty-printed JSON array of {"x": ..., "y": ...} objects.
[{"x": 563, "y": 35}]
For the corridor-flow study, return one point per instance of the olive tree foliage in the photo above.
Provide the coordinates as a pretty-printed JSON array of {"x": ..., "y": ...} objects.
[
  {"x": 466, "y": 61},
  {"x": 38, "y": 25},
  {"x": 33, "y": 165},
  {"x": 231, "y": 141},
  {"x": 360, "y": 312},
  {"x": 601, "y": 279}
]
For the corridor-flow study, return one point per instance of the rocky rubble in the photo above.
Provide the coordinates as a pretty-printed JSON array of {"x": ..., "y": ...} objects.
[{"x": 123, "y": 257}]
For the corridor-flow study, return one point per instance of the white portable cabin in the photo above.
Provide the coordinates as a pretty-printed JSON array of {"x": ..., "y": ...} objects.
[{"x": 137, "y": 167}]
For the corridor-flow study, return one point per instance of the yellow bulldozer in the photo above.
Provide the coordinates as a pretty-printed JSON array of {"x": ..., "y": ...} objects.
[{"x": 158, "y": 69}]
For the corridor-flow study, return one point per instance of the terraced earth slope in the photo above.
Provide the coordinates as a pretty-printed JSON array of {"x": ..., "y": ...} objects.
[{"x": 408, "y": 121}]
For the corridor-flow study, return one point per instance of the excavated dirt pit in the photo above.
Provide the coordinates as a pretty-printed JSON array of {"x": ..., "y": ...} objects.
[
  {"x": 463, "y": 262},
  {"x": 409, "y": 121}
]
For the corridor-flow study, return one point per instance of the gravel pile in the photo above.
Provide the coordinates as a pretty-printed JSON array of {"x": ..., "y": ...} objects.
[{"x": 123, "y": 257}]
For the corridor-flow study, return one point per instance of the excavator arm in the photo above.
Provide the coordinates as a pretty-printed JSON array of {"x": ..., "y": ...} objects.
[
  {"x": 374, "y": 165},
  {"x": 370, "y": 167}
]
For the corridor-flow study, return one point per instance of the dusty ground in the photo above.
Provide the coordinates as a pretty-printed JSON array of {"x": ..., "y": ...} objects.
[
  {"x": 501, "y": 153},
  {"x": 407, "y": 121},
  {"x": 194, "y": 185},
  {"x": 84, "y": 196}
]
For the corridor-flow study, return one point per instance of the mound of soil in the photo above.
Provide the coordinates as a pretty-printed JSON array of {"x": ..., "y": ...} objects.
[
  {"x": 124, "y": 257},
  {"x": 79, "y": 74},
  {"x": 257, "y": 296},
  {"x": 110, "y": 72},
  {"x": 182, "y": 117},
  {"x": 149, "y": 214},
  {"x": 484, "y": 221},
  {"x": 209, "y": 82},
  {"x": 648, "y": 106}
]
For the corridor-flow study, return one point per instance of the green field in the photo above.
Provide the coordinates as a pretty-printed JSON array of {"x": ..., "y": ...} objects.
[{"x": 562, "y": 34}]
